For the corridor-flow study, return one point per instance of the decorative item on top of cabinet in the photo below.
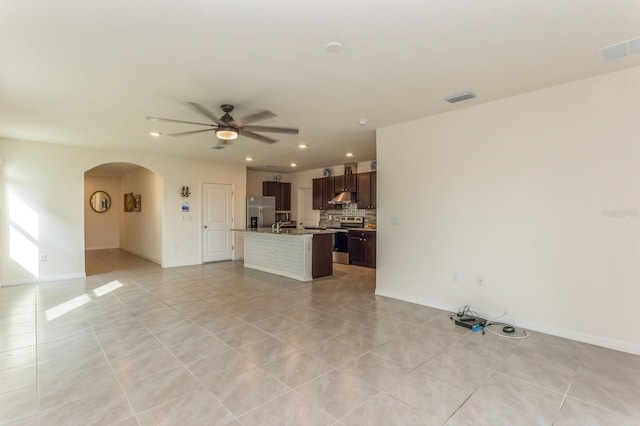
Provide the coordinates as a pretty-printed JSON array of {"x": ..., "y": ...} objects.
[
  {"x": 367, "y": 190},
  {"x": 280, "y": 190},
  {"x": 350, "y": 168}
]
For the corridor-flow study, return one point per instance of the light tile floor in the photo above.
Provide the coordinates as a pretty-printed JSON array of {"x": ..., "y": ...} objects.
[{"x": 220, "y": 345}]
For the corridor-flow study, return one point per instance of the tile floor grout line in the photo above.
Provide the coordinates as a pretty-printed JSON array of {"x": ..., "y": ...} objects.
[
  {"x": 378, "y": 391},
  {"x": 183, "y": 366},
  {"x": 323, "y": 303},
  {"x": 35, "y": 300},
  {"x": 566, "y": 394},
  {"x": 104, "y": 354},
  {"x": 474, "y": 391}
]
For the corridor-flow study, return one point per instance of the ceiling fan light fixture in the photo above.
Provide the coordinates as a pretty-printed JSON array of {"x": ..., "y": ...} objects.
[{"x": 227, "y": 134}]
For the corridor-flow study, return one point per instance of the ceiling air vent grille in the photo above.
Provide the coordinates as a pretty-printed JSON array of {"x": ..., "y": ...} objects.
[
  {"x": 459, "y": 97},
  {"x": 620, "y": 50}
]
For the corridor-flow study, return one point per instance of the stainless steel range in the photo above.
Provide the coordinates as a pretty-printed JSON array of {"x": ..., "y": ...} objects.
[{"x": 341, "y": 237}]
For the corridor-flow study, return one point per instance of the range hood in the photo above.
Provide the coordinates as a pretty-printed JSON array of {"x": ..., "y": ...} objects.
[
  {"x": 341, "y": 198},
  {"x": 345, "y": 197}
]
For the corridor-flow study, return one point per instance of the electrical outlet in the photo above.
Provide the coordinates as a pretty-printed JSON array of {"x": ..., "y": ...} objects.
[{"x": 480, "y": 280}]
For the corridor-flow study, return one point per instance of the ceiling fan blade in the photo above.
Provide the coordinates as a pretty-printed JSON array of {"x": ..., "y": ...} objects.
[
  {"x": 205, "y": 112},
  {"x": 254, "y": 117},
  {"x": 191, "y": 132},
  {"x": 288, "y": 130},
  {"x": 257, "y": 137},
  {"x": 177, "y": 121}
]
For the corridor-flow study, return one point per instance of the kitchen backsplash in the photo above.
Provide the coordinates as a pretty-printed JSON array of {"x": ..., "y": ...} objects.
[{"x": 332, "y": 217}]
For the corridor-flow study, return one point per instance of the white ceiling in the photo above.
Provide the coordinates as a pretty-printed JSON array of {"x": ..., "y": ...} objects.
[{"x": 87, "y": 72}]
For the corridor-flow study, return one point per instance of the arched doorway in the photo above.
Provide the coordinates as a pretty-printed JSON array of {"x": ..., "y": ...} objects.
[{"x": 131, "y": 226}]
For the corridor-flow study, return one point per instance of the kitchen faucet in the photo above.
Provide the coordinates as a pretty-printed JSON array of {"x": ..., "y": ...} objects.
[{"x": 276, "y": 227}]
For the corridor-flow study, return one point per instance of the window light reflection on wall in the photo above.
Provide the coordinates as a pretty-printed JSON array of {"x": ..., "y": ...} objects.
[{"x": 24, "y": 232}]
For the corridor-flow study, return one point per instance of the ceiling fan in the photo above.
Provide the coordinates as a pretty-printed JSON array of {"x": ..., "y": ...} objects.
[{"x": 227, "y": 128}]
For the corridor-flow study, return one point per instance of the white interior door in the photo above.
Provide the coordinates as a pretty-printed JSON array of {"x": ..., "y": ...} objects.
[
  {"x": 308, "y": 216},
  {"x": 217, "y": 221}
]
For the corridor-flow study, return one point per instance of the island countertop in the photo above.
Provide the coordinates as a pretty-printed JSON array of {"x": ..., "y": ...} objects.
[{"x": 287, "y": 231}]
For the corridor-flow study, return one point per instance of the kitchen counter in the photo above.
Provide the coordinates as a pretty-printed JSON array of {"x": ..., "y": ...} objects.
[
  {"x": 301, "y": 254},
  {"x": 287, "y": 231}
]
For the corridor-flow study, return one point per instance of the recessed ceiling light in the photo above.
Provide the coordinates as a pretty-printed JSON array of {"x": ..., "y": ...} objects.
[
  {"x": 349, "y": 154},
  {"x": 333, "y": 47},
  {"x": 154, "y": 134},
  {"x": 293, "y": 164},
  {"x": 302, "y": 146},
  {"x": 249, "y": 159},
  {"x": 363, "y": 121}
]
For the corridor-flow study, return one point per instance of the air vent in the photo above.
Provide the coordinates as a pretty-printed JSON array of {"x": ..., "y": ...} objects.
[
  {"x": 459, "y": 97},
  {"x": 620, "y": 50}
]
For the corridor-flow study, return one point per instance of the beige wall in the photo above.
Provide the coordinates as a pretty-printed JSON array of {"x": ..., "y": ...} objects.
[
  {"x": 514, "y": 191},
  {"x": 49, "y": 181},
  {"x": 141, "y": 232},
  {"x": 102, "y": 230}
]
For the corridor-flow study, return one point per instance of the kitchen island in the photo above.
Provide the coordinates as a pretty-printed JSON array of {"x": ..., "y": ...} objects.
[{"x": 301, "y": 254}]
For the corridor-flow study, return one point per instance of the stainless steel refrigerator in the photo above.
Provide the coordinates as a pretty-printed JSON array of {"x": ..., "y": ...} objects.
[{"x": 261, "y": 212}]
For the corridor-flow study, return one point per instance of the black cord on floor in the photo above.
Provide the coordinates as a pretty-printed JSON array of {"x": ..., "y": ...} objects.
[{"x": 507, "y": 329}]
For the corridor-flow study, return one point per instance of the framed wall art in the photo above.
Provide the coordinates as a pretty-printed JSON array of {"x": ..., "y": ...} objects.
[{"x": 128, "y": 202}]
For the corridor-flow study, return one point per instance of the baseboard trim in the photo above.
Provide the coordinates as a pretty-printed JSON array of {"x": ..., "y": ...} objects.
[
  {"x": 50, "y": 278},
  {"x": 101, "y": 248},
  {"x": 144, "y": 256},
  {"x": 619, "y": 345}
]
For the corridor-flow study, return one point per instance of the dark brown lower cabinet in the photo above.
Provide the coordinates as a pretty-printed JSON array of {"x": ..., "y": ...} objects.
[
  {"x": 362, "y": 248},
  {"x": 322, "y": 255}
]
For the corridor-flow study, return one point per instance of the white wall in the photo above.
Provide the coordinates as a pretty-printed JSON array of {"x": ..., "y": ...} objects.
[
  {"x": 514, "y": 191},
  {"x": 102, "y": 230},
  {"x": 141, "y": 232},
  {"x": 49, "y": 180},
  {"x": 41, "y": 215}
]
